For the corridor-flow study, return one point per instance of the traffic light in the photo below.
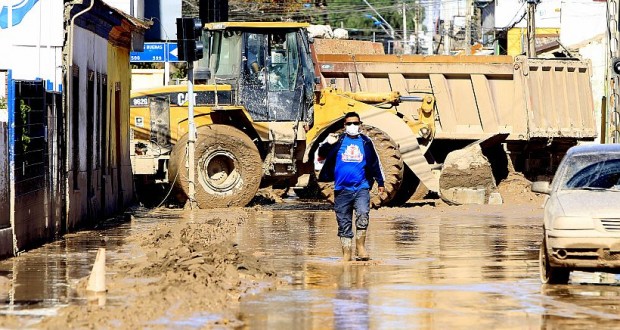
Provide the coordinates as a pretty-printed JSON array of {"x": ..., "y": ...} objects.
[
  {"x": 615, "y": 65},
  {"x": 189, "y": 35}
]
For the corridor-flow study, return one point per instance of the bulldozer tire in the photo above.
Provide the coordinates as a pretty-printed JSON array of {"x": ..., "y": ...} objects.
[
  {"x": 410, "y": 189},
  {"x": 391, "y": 163},
  {"x": 228, "y": 167}
]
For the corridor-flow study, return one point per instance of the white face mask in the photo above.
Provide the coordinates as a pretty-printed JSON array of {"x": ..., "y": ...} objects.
[{"x": 352, "y": 130}]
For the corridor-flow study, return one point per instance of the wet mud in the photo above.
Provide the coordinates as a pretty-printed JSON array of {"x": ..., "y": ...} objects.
[
  {"x": 431, "y": 267},
  {"x": 279, "y": 266},
  {"x": 168, "y": 269}
]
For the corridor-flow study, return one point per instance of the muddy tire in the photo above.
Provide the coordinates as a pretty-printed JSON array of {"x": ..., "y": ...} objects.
[
  {"x": 391, "y": 162},
  {"x": 549, "y": 274},
  {"x": 410, "y": 189},
  {"x": 228, "y": 167}
]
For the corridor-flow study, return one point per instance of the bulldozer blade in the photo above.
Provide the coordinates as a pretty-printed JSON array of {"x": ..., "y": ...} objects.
[{"x": 407, "y": 142}]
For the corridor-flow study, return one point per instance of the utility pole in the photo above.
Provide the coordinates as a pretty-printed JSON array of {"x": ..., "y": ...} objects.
[
  {"x": 190, "y": 46},
  {"x": 447, "y": 43},
  {"x": 406, "y": 46},
  {"x": 191, "y": 141},
  {"x": 531, "y": 27},
  {"x": 470, "y": 6},
  {"x": 416, "y": 29}
]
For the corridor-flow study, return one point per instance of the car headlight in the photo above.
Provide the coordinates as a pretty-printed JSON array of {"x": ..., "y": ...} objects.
[{"x": 564, "y": 223}]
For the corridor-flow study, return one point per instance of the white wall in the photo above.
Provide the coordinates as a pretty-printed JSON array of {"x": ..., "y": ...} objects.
[
  {"x": 451, "y": 8},
  {"x": 595, "y": 51},
  {"x": 583, "y": 26},
  {"x": 509, "y": 11},
  {"x": 90, "y": 55},
  {"x": 146, "y": 78},
  {"x": 131, "y": 7},
  {"x": 32, "y": 47},
  {"x": 3, "y": 91},
  {"x": 582, "y": 20}
]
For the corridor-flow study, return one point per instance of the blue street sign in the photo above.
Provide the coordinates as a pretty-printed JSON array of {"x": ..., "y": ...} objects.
[
  {"x": 153, "y": 52},
  {"x": 173, "y": 52},
  {"x": 156, "y": 52}
]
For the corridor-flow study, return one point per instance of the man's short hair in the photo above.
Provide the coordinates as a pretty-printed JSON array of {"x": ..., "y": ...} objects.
[{"x": 352, "y": 114}]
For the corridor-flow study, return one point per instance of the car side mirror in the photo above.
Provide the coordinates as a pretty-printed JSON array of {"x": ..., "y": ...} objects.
[{"x": 542, "y": 187}]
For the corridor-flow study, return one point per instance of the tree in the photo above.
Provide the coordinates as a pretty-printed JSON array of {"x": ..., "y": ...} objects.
[
  {"x": 350, "y": 14},
  {"x": 265, "y": 10},
  {"x": 253, "y": 10}
]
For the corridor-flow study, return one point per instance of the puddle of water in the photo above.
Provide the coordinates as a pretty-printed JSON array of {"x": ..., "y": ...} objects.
[
  {"x": 472, "y": 270},
  {"x": 199, "y": 321},
  {"x": 432, "y": 270},
  {"x": 40, "y": 280}
]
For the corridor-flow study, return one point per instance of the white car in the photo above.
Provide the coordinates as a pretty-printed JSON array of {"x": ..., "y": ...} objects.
[{"x": 582, "y": 214}]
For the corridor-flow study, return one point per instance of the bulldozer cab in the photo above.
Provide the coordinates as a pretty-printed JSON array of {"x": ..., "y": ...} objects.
[{"x": 268, "y": 64}]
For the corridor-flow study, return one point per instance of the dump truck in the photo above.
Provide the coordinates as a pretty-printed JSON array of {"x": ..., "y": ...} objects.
[
  {"x": 537, "y": 108},
  {"x": 266, "y": 96}
]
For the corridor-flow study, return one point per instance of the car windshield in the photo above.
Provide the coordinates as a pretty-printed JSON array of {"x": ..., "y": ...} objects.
[{"x": 592, "y": 172}]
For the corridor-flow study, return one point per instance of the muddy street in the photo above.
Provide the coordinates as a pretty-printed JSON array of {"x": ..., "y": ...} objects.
[
  {"x": 279, "y": 267},
  {"x": 460, "y": 267}
]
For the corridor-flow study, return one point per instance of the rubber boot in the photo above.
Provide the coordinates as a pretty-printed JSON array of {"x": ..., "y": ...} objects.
[
  {"x": 347, "y": 245},
  {"x": 360, "y": 248}
]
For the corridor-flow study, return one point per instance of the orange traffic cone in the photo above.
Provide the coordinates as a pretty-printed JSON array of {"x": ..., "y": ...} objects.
[{"x": 96, "y": 280}]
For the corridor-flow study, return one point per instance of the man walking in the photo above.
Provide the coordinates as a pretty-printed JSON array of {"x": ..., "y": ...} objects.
[{"x": 352, "y": 163}]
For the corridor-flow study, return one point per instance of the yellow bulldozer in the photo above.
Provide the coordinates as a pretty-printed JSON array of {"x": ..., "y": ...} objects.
[{"x": 265, "y": 97}]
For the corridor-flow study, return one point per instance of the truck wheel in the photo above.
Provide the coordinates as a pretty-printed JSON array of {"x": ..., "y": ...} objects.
[
  {"x": 228, "y": 167},
  {"x": 391, "y": 162}
]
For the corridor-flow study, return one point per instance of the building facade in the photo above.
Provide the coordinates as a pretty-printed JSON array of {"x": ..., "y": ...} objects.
[{"x": 68, "y": 83}]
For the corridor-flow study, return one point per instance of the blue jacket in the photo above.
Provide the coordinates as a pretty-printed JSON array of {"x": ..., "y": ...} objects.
[{"x": 330, "y": 151}]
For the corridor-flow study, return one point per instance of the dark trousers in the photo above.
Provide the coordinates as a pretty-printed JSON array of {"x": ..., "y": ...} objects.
[{"x": 344, "y": 204}]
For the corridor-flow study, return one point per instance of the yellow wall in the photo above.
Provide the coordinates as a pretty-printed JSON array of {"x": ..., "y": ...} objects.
[
  {"x": 119, "y": 76},
  {"x": 103, "y": 56},
  {"x": 517, "y": 39}
]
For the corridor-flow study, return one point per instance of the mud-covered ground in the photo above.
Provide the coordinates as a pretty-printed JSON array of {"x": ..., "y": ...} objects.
[
  {"x": 183, "y": 270},
  {"x": 188, "y": 272}
]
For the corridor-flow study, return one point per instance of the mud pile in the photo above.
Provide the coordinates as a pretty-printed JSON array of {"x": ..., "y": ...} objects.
[
  {"x": 186, "y": 272},
  {"x": 516, "y": 189},
  {"x": 267, "y": 195},
  {"x": 335, "y": 46}
]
